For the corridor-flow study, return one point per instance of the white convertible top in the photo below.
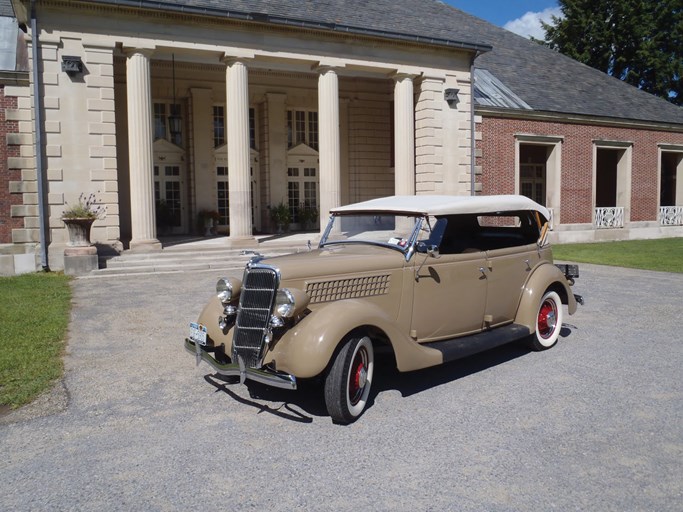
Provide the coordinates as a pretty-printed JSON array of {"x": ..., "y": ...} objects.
[{"x": 443, "y": 205}]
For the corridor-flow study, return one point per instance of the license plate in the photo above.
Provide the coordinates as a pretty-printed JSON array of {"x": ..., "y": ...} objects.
[{"x": 198, "y": 333}]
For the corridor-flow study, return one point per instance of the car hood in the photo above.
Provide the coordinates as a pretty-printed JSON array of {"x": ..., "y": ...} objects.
[{"x": 338, "y": 259}]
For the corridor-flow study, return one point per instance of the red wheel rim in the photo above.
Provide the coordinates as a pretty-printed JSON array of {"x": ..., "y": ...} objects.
[
  {"x": 547, "y": 318},
  {"x": 358, "y": 376}
]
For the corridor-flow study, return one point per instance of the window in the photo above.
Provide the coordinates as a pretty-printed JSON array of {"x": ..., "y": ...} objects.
[
  {"x": 302, "y": 128},
  {"x": 223, "y": 196},
  {"x": 160, "y": 121},
  {"x": 252, "y": 128},
  {"x": 218, "y": 125}
]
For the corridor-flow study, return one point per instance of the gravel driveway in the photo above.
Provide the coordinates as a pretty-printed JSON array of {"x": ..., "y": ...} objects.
[{"x": 593, "y": 424}]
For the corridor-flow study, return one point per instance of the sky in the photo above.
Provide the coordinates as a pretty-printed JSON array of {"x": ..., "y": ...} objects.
[{"x": 520, "y": 16}]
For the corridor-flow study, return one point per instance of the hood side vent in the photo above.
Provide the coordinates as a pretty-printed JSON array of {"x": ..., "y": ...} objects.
[{"x": 328, "y": 291}]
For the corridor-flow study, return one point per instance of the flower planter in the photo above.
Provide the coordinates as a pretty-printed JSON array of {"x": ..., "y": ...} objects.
[{"x": 79, "y": 231}]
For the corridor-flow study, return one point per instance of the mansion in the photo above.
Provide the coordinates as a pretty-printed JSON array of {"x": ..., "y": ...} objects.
[{"x": 175, "y": 112}]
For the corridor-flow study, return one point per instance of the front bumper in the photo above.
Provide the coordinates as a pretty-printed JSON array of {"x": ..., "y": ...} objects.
[{"x": 264, "y": 376}]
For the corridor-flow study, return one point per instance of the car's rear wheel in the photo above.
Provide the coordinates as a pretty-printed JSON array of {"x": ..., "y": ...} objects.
[
  {"x": 548, "y": 322},
  {"x": 347, "y": 385}
]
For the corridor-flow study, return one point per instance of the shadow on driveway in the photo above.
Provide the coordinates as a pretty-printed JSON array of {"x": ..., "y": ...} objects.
[{"x": 309, "y": 401}]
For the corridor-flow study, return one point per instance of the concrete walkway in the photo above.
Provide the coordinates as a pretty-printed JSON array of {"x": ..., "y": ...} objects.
[{"x": 596, "y": 423}]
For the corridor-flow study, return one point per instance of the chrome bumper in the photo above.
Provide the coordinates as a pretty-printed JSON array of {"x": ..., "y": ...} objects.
[{"x": 264, "y": 376}]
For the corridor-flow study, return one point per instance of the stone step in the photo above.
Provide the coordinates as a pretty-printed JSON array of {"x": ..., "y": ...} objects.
[
  {"x": 184, "y": 260},
  {"x": 160, "y": 268},
  {"x": 180, "y": 258}
]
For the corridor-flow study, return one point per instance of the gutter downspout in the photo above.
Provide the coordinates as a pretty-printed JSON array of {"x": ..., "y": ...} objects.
[
  {"x": 472, "y": 126},
  {"x": 40, "y": 152}
]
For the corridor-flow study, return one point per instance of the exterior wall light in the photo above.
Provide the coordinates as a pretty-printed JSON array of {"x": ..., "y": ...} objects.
[
  {"x": 175, "y": 125},
  {"x": 72, "y": 65}
]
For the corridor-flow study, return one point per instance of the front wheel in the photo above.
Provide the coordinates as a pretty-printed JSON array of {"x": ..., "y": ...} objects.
[
  {"x": 548, "y": 322},
  {"x": 347, "y": 385}
]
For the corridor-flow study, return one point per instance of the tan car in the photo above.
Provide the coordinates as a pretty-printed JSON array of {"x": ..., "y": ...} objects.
[{"x": 430, "y": 278}]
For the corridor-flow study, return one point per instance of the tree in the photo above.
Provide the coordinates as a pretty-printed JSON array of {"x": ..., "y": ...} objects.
[{"x": 637, "y": 41}]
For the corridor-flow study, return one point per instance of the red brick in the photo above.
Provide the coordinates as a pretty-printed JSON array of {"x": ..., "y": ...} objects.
[
  {"x": 6, "y": 175},
  {"x": 498, "y": 162}
]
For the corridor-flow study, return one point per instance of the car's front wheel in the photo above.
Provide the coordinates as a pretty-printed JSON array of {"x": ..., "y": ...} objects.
[
  {"x": 548, "y": 322},
  {"x": 347, "y": 385}
]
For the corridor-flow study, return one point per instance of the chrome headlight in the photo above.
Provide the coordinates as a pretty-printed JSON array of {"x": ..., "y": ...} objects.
[
  {"x": 227, "y": 288},
  {"x": 289, "y": 302}
]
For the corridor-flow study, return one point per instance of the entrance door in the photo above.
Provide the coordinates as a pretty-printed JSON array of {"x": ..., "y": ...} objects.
[
  {"x": 223, "y": 189},
  {"x": 303, "y": 195},
  {"x": 169, "y": 188},
  {"x": 532, "y": 181},
  {"x": 168, "y": 198}
]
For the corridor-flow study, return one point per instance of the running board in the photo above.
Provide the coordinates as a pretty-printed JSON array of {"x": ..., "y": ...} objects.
[{"x": 457, "y": 348}]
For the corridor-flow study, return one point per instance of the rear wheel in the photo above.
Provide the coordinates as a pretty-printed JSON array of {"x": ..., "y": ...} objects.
[
  {"x": 347, "y": 385},
  {"x": 548, "y": 322}
]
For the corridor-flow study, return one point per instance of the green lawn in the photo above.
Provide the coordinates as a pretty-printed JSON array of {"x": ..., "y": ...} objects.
[
  {"x": 34, "y": 316},
  {"x": 665, "y": 254}
]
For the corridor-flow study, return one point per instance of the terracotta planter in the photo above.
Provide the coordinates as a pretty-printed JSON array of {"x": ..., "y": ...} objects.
[{"x": 79, "y": 231}]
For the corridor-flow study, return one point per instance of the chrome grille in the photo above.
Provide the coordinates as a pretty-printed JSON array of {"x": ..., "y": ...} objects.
[{"x": 259, "y": 287}]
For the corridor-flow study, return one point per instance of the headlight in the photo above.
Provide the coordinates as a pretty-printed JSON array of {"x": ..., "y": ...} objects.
[
  {"x": 289, "y": 302},
  {"x": 227, "y": 288}
]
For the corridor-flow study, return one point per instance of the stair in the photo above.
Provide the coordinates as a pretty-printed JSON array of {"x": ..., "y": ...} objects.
[{"x": 185, "y": 259}]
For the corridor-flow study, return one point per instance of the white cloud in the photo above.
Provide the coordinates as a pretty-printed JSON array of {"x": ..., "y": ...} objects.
[{"x": 529, "y": 25}]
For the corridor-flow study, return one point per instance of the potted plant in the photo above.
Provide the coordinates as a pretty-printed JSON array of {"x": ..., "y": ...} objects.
[
  {"x": 79, "y": 218},
  {"x": 281, "y": 216},
  {"x": 308, "y": 215},
  {"x": 207, "y": 221}
]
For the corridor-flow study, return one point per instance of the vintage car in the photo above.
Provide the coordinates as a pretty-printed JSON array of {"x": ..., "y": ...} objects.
[{"x": 430, "y": 278}]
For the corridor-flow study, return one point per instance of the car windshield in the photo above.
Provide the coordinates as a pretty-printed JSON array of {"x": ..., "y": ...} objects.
[{"x": 390, "y": 230}]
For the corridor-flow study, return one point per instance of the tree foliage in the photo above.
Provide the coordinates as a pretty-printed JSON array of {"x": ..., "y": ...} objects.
[{"x": 637, "y": 41}]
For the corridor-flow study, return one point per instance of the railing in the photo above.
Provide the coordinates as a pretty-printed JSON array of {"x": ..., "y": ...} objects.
[
  {"x": 671, "y": 215},
  {"x": 611, "y": 217}
]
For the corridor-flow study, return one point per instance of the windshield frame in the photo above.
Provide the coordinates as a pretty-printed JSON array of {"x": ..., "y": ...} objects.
[{"x": 407, "y": 251}]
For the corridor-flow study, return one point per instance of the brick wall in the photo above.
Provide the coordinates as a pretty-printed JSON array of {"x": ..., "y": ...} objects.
[
  {"x": 497, "y": 162},
  {"x": 7, "y": 175}
]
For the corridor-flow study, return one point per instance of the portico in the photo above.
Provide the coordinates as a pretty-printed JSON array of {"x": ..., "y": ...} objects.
[
  {"x": 187, "y": 122},
  {"x": 349, "y": 105}
]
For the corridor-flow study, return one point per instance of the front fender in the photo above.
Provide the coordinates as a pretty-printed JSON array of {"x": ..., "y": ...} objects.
[
  {"x": 307, "y": 348},
  {"x": 209, "y": 318},
  {"x": 545, "y": 276}
]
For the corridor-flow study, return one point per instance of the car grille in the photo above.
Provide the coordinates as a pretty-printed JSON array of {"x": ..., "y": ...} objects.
[{"x": 259, "y": 288}]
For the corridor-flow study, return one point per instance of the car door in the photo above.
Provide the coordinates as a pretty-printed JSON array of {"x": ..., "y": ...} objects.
[
  {"x": 449, "y": 295},
  {"x": 512, "y": 254},
  {"x": 507, "y": 269}
]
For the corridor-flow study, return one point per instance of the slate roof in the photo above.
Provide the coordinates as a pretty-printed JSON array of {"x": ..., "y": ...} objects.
[
  {"x": 543, "y": 79},
  {"x": 6, "y": 9}
]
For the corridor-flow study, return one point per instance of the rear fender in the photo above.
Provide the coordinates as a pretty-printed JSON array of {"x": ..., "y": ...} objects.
[{"x": 546, "y": 276}]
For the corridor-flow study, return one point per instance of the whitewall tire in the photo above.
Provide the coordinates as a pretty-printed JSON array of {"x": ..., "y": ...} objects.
[
  {"x": 348, "y": 383},
  {"x": 548, "y": 322}
]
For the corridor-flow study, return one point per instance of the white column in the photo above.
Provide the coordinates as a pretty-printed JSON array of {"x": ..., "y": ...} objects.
[
  {"x": 404, "y": 135},
  {"x": 329, "y": 141},
  {"x": 140, "y": 135},
  {"x": 237, "y": 114}
]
